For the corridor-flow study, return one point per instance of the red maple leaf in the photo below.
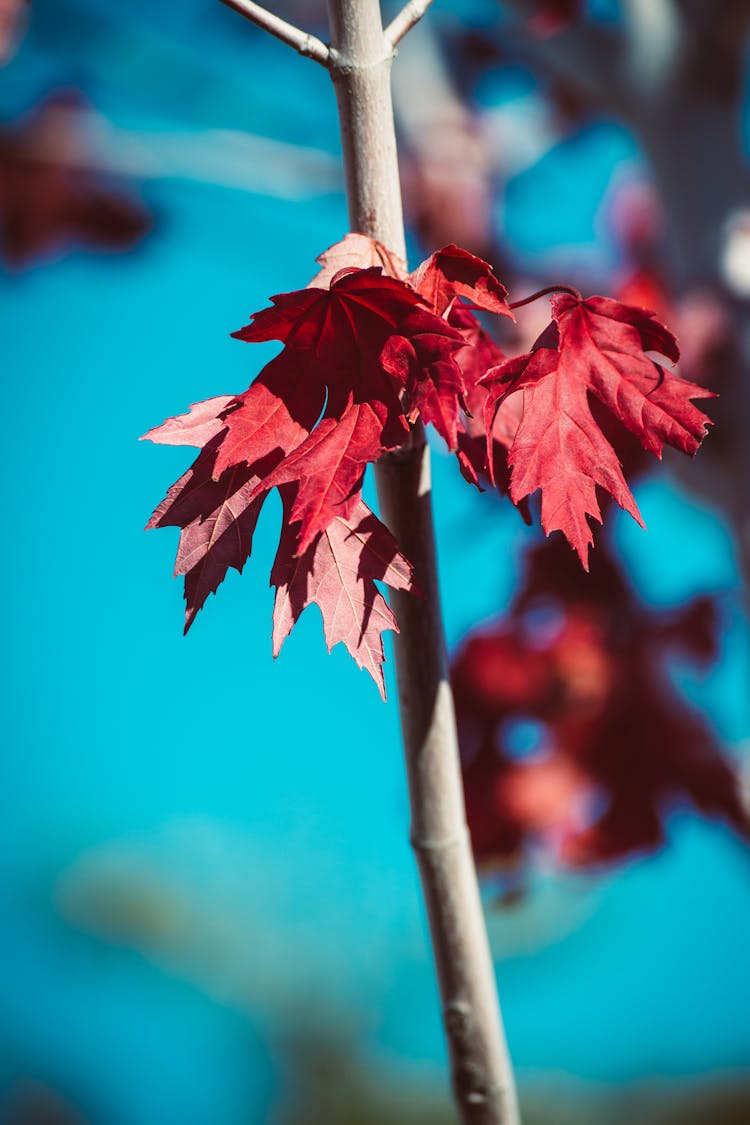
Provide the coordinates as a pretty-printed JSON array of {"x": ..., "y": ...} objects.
[
  {"x": 453, "y": 272},
  {"x": 217, "y": 520},
  {"x": 216, "y": 510},
  {"x": 337, "y": 572},
  {"x": 593, "y": 347},
  {"x": 310, "y": 423},
  {"x": 334, "y": 340}
]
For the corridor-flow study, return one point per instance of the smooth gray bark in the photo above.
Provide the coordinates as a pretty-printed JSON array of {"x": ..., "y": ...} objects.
[{"x": 481, "y": 1073}]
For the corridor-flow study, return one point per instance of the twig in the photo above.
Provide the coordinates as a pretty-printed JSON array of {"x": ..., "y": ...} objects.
[
  {"x": 308, "y": 45},
  {"x": 410, "y": 14}
]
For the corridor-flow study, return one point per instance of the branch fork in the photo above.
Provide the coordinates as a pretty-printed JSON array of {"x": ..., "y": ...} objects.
[{"x": 309, "y": 46}]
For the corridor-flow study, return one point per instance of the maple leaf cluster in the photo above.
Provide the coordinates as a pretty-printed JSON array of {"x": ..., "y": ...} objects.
[
  {"x": 368, "y": 350},
  {"x": 615, "y": 746}
]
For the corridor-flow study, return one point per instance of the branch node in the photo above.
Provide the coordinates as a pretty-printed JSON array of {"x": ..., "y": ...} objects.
[
  {"x": 338, "y": 66},
  {"x": 310, "y": 47},
  {"x": 341, "y": 67}
]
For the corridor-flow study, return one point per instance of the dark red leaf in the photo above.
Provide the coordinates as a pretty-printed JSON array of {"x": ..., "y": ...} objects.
[
  {"x": 361, "y": 342},
  {"x": 423, "y": 361},
  {"x": 275, "y": 415},
  {"x": 453, "y": 272},
  {"x": 359, "y": 312}
]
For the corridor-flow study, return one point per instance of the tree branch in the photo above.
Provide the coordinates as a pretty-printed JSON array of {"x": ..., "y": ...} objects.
[
  {"x": 308, "y": 45},
  {"x": 410, "y": 14},
  {"x": 482, "y": 1077},
  {"x": 359, "y": 62}
]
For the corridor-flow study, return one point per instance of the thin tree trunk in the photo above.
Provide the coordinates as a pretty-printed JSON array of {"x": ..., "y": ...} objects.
[{"x": 481, "y": 1073}]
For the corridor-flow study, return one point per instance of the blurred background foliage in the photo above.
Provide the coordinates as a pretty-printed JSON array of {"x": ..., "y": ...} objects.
[{"x": 209, "y": 908}]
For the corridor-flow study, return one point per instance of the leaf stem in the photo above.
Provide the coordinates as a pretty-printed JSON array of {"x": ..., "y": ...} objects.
[{"x": 543, "y": 293}]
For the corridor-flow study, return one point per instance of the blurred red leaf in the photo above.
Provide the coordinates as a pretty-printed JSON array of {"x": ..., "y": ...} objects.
[
  {"x": 553, "y": 16},
  {"x": 52, "y": 195},
  {"x": 13, "y": 19},
  {"x": 619, "y": 747}
]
